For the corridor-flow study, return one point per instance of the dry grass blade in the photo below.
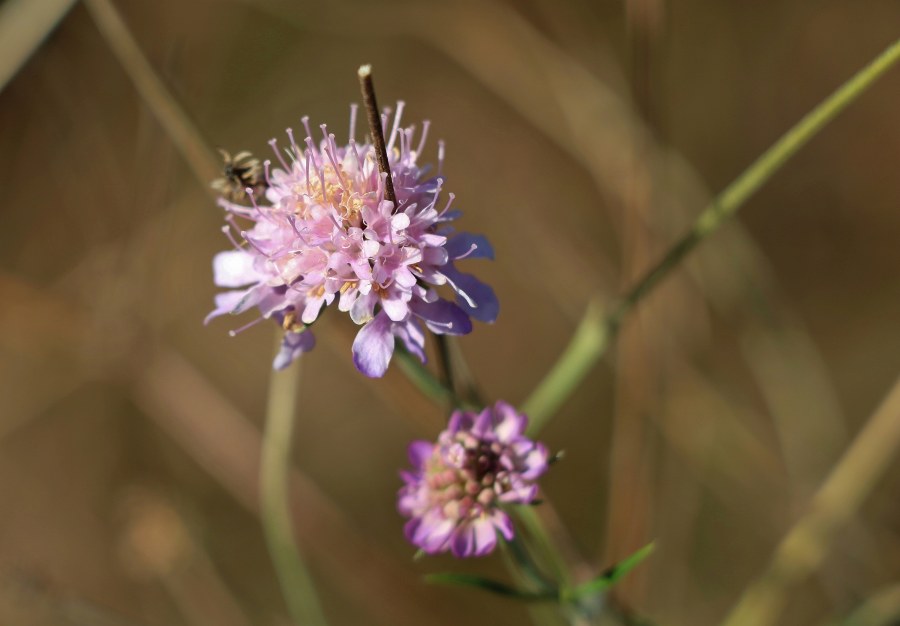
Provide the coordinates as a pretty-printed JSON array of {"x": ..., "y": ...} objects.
[
  {"x": 168, "y": 112},
  {"x": 156, "y": 543},
  {"x": 24, "y": 24},
  {"x": 803, "y": 548},
  {"x": 881, "y": 609}
]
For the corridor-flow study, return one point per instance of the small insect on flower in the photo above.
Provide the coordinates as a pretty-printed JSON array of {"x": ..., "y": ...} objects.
[
  {"x": 241, "y": 172},
  {"x": 455, "y": 493}
]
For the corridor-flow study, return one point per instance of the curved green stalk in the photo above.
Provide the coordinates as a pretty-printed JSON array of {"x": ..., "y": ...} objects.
[
  {"x": 595, "y": 333},
  {"x": 296, "y": 582},
  {"x": 427, "y": 382}
]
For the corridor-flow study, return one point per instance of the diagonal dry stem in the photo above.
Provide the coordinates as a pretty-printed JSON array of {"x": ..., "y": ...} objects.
[
  {"x": 803, "y": 548},
  {"x": 168, "y": 112}
]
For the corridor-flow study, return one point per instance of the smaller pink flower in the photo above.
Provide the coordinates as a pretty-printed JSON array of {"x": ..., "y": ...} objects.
[{"x": 454, "y": 494}]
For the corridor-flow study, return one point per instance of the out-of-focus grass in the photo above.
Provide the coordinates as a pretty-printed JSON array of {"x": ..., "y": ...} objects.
[{"x": 747, "y": 376}]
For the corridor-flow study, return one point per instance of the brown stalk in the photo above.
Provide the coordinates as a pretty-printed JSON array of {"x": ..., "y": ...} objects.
[{"x": 373, "y": 114}]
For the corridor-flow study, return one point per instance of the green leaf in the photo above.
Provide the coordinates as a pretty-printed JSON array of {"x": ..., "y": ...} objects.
[
  {"x": 611, "y": 576},
  {"x": 491, "y": 586}
]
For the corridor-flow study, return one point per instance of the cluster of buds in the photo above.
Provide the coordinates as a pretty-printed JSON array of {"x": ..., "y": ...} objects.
[{"x": 455, "y": 493}]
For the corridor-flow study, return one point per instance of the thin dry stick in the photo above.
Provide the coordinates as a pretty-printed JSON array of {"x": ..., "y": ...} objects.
[
  {"x": 376, "y": 131},
  {"x": 630, "y": 499},
  {"x": 174, "y": 120},
  {"x": 804, "y": 547}
]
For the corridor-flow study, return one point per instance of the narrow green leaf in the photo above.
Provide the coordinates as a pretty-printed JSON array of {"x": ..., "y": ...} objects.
[
  {"x": 611, "y": 576},
  {"x": 486, "y": 584}
]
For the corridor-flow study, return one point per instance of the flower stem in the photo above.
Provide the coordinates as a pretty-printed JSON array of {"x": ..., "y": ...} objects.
[
  {"x": 370, "y": 104},
  {"x": 443, "y": 350},
  {"x": 296, "y": 582},
  {"x": 548, "y": 555},
  {"x": 595, "y": 332},
  {"x": 427, "y": 382},
  {"x": 528, "y": 568}
]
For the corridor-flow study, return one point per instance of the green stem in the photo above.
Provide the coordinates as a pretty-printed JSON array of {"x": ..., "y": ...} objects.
[
  {"x": 528, "y": 568},
  {"x": 595, "y": 333},
  {"x": 427, "y": 382},
  {"x": 526, "y": 573},
  {"x": 587, "y": 345},
  {"x": 443, "y": 349},
  {"x": 544, "y": 547},
  {"x": 293, "y": 576}
]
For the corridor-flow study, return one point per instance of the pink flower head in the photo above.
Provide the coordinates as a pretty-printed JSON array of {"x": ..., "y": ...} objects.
[
  {"x": 454, "y": 493},
  {"x": 325, "y": 232}
]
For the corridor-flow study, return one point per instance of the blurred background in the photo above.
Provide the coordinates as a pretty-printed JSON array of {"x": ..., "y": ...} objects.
[{"x": 582, "y": 138}]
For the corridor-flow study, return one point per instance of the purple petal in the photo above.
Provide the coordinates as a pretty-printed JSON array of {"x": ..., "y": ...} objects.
[
  {"x": 412, "y": 499},
  {"x": 460, "y": 420},
  {"x": 469, "y": 246},
  {"x": 484, "y": 424},
  {"x": 226, "y": 302},
  {"x": 463, "y": 542},
  {"x": 509, "y": 424},
  {"x": 311, "y": 310},
  {"x": 521, "y": 494},
  {"x": 395, "y": 307},
  {"x": 442, "y": 317},
  {"x": 419, "y": 452},
  {"x": 454, "y": 425},
  {"x": 258, "y": 295},
  {"x": 435, "y": 256},
  {"x": 476, "y": 298},
  {"x": 485, "y": 536},
  {"x": 503, "y": 523},
  {"x": 405, "y": 278},
  {"x": 373, "y": 347},
  {"x": 411, "y": 528},
  {"x": 292, "y": 346},
  {"x": 433, "y": 533},
  {"x": 534, "y": 463},
  {"x": 410, "y": 333}
]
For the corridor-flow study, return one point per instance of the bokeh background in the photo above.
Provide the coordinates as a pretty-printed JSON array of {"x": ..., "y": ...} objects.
[{"x": 583, "y": 136}]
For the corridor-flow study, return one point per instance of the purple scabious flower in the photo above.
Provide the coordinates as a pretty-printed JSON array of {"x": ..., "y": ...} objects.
[
  {"x": 453, "y": 495},
  {"x": 324, "y": 232}
]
